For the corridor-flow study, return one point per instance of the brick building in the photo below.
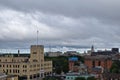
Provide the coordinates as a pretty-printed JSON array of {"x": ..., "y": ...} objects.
[
  {"x": 94, "y": 61},
  {"x": 72, "y": 62}
]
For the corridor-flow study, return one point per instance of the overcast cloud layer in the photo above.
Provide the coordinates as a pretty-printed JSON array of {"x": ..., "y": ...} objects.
[{"x": 60, "y": 22}]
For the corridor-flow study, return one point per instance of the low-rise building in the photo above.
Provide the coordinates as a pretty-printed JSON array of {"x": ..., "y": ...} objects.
[
  {"x": 53, "y": 54},
  {"x": 113, "y": 51},
  {"x": 73, "y": 76},
  {"x": 27, "y": 68},
  {"x": 70, "y": 53}
]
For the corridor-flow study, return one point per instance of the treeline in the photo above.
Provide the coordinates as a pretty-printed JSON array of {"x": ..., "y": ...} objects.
[
  {"x": 60, "y": 63},
  {"x": 115, "y": 67}
]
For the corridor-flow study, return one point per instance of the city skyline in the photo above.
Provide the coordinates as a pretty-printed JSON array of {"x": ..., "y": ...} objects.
[{"x": 64, "y": 23}]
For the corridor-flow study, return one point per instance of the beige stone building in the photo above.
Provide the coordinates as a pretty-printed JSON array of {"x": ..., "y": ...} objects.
[{"x": 27, "y": 68}]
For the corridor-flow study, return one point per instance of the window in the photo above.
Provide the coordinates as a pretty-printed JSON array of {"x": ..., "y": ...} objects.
[
  {"x": 93, "y": 63},
  {"x": 7, "y": 70},
  {"x": 35, "y": 60},
  {"x": 10, "y": 70},
  {"x": 24, "y": 70},
  {"x": 18, "y": 71},
  {"x": 99, "y": 63},
  {"x": 24, "y": 66},
  {"x": 34, "y": 52},
  {"x": 41, "y": 64}
]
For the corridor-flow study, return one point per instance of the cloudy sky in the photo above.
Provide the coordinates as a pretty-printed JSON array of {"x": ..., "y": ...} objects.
[{"x": 60, "y": 22}]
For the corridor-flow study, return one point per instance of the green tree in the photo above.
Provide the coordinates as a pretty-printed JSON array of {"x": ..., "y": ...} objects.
[
  {"x": 115, "y": 68},
  {"x": 91, "y": 78},
  {"x": 80, "y": 78},
  {"x": 60, "y": 64}
]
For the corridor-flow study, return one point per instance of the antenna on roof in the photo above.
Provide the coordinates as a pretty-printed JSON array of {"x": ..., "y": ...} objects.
[{"x": 37, "y": 35}]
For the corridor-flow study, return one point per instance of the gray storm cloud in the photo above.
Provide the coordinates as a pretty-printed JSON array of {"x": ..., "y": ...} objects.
[{"x": 63, "y": 22}]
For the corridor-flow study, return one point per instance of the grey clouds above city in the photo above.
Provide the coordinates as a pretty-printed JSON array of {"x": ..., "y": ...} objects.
[{"x": 60, "y": 22}]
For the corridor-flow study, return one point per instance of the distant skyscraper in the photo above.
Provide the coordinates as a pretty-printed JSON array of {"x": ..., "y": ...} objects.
[{"x": 92, "y": 49}]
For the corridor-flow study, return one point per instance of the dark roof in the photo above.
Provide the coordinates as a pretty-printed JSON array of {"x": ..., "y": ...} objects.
[
  {"x": 16, "y": 55},
  {"x": 103, "y": 53}
]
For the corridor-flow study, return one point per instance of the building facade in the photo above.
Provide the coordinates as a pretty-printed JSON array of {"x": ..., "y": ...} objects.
[
  {"x": 27, "y": 68},
  {"x": 98, "y": 61}
]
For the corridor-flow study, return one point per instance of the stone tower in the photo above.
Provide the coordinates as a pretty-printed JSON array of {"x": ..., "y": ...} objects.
[{"x": 37, "y": 54}]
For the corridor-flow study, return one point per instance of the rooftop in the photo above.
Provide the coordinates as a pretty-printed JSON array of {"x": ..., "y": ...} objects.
[{"x": 102, "y": 57}]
